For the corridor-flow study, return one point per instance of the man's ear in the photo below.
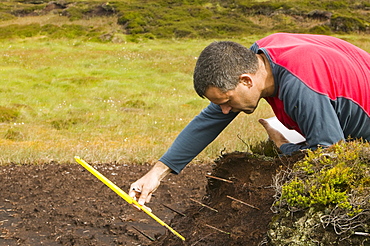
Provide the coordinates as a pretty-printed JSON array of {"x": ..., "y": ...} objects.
[{"x": 246, "y": 80}]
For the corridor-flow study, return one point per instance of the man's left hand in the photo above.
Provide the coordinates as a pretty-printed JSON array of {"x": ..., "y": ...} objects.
[{"x": 276, "y": 136}]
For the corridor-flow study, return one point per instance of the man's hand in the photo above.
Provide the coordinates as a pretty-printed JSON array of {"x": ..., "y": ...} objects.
[
  {"x": 142, "y": 189},
  {"x": 274, "y": 134}
]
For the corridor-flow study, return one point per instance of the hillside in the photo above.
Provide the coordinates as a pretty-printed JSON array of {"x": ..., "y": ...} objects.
[{"x": 115, "y": 21}]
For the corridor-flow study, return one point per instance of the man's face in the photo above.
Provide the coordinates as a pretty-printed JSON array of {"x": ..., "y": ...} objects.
[{"x": 244, "y": 98}]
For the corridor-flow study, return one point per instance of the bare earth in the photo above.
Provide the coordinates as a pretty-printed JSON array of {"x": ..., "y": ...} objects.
[{"x": 55, "y": 204}]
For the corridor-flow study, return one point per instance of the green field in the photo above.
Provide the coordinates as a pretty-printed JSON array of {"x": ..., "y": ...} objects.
[
  {"x": 117, "y": 86},
  {"x": 107, "y": 102}
]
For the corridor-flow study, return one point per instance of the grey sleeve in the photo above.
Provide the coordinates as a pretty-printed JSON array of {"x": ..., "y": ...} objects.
[
  {"x": 290, "y": 148},
  {"x": 200, "y": 132}
]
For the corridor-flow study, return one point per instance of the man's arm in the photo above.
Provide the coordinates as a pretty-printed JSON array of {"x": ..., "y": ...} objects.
[
  {"x": 201, "y": 131},
  {"x": 314, "y": 114}
]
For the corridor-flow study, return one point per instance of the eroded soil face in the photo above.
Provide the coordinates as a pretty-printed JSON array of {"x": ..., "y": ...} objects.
[
  {"x": 243, "y": 206},
  {"x": 55, "y": 204}
]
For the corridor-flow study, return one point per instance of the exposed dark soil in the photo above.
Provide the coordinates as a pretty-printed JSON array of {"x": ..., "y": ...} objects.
[
  {"x": 55, "y": 204},
  {"x": 243, "y": 206}
]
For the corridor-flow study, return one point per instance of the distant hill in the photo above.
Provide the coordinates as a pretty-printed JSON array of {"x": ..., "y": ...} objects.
[{"x": 105, "y": 21}]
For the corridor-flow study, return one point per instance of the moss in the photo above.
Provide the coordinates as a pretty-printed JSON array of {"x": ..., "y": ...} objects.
[
  {"x": 326, "y": 177},
  {"x": 21, "y": 31},
  {"x": 333, "y": 182},
  {"x": 320, "y": 29},
  {"x": 69, "y": 31},
  {"x": 266, "y": 148},
  {"x": 184, "y": 33},
  {"x": 340, "y": 23},
  {"x": 27, "y": 8},
  {"x": 335, "y": 4},
  {"x": 73, "y": 13},
  {"x": 133, "y": 22},
  {"x": 265, "y": 8},
  {"x": 6, "y": 16}
]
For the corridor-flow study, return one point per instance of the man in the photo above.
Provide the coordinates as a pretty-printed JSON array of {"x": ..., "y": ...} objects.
[{"x": 317, "y": 85}]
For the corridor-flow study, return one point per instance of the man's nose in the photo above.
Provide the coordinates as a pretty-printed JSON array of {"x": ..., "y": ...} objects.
[{"x": 226, "y": 109}]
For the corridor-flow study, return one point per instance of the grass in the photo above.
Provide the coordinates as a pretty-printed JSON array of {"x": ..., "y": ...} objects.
[{"x": 107, "y": 102}]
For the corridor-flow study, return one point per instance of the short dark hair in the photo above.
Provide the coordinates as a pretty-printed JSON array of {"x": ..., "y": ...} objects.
[{"x": 220, "y": 64}]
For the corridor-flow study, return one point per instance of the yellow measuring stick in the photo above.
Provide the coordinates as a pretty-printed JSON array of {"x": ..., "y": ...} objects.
[{"x": 123, "y": 194}]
